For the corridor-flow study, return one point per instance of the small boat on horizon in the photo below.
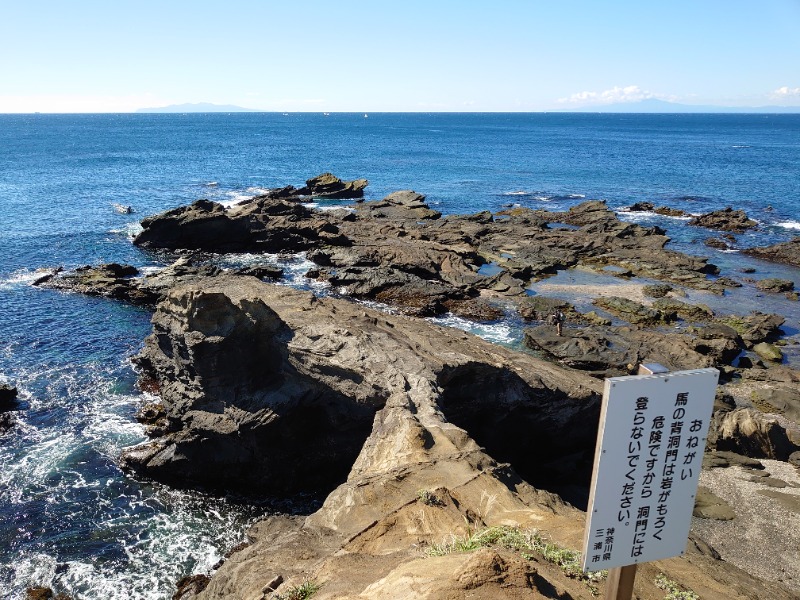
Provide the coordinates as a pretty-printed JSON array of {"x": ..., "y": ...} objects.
[{"x": 366, "y": 116}]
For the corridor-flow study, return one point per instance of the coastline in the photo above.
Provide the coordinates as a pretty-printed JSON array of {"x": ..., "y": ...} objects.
[{"x": 43, "y": 350}]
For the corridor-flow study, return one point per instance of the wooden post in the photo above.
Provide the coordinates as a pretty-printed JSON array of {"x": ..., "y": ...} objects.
[{"x": 620, "y": 583}]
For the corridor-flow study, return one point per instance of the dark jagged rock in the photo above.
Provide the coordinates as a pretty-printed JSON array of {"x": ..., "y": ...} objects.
[
  {"x": 120, "y": 282},
  {"x": 8, "y": 403},
  {"x": 267, "y": 389},
  {"x": 670, "y": 212},
  {"x": 264, "y": 224},
  {"x": 329, "y": 186},
  {"x": 107, "y": 280},
  {"x": 722, "y": 459},
  {"x": 660, "y": 210},
  {"x": 398, "y": 245},
  {"x": 784, "y": 252},
  {"x": 720, "y": 342},
  {"x": 726, "y": 219},
  {"x": 8, "y": 396},
  {"x": 260, "y": 271},
  {"x": 44, "y": 593}
]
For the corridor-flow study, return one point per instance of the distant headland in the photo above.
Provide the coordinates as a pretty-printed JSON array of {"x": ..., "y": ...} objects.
[{"x": 196, "y": 107}]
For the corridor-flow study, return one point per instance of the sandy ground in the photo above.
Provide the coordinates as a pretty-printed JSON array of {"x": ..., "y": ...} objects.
[
  {"x": 631, "y": 291},
  {"x": 764, "y": 538}
]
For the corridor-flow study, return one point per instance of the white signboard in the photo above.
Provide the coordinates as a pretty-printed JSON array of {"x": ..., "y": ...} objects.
[{"x": 646, "y": 466}]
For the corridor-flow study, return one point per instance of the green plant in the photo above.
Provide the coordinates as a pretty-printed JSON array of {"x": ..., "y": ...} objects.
[
  {"x": 528, "y": 543},
  {"x": 299, "y": 592},
  {"x": 674, "y": 590},
  {"x": 429, "y": 498}
]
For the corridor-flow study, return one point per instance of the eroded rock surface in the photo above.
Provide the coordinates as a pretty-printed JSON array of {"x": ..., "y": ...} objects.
[
  {"x": 444, "y": 408},
  {"x": 784, "y": 252},
  {"x": 267, "y": 389},
  {"x": 726, "y": 219}
]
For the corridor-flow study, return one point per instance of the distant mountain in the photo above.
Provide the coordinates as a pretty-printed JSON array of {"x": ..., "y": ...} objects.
[
  {"x": 197, "y": 107},
  {"x": 653, "y": 105}
]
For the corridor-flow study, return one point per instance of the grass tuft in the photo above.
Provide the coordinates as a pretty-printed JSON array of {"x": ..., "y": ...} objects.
[
  {"x": 674, "y": 590},
  {"x": 528, "y": 543},
  {"x": 299, "y": 592}
]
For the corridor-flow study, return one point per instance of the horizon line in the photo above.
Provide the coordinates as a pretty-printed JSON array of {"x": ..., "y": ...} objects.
[{"x": 717, "y": 111}]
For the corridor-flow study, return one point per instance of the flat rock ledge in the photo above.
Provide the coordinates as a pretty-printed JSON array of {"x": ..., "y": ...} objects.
[{"x": 417, "y": 434}]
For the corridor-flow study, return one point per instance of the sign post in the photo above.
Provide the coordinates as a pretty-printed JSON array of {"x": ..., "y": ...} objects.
[{"x": 647, "y": 464}]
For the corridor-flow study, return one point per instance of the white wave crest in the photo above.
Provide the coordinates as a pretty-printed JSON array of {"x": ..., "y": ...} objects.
[
  {"x": 498, "y": 333},
  {"x": 789, "y": 224}
]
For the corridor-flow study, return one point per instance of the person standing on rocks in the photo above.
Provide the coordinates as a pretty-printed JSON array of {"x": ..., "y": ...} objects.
[{"x": 556, "y": 318}]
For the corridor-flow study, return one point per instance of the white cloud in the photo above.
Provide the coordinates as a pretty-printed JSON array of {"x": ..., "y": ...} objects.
[
  {"x": 785, "y": 92},
  {"x": 630, "y": 93}
]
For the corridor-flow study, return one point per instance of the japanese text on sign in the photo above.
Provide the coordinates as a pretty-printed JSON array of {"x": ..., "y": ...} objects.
[{"x": 647, "y": 465}]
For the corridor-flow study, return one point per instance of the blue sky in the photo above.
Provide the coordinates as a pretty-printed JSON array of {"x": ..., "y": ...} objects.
[{"x": 116, "y": 56}]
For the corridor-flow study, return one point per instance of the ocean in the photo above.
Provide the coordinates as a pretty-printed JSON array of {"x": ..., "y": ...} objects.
[{"x": 69, "y": 518}]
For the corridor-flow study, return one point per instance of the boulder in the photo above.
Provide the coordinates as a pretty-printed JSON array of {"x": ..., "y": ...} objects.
[
  {"x": 726, "y": 219},
  {"x": 329, "y": 186},
  {"x": 8, "y": 396},
  {"x": 719, "y": 342},
  {"x": 768, "y": 352}
]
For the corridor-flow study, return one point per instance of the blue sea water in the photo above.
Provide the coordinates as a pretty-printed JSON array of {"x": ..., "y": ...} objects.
[{"x": 68, "y": 517}]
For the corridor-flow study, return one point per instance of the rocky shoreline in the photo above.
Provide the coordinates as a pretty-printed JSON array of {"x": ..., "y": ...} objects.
[{"x": 414, "y": 432}]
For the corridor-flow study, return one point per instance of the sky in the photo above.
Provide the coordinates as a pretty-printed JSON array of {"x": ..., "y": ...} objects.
[{"x": 433, "y": 55}]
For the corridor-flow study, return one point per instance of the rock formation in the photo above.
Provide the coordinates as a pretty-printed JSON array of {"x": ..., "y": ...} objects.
[
  {"x": 269, "y": 390},
  {"x": 329, "y": 186},
  {"x": 784, "y": 252},
  {"x": 726, "y": 219},
  {"x": 420, "y": 435}
]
